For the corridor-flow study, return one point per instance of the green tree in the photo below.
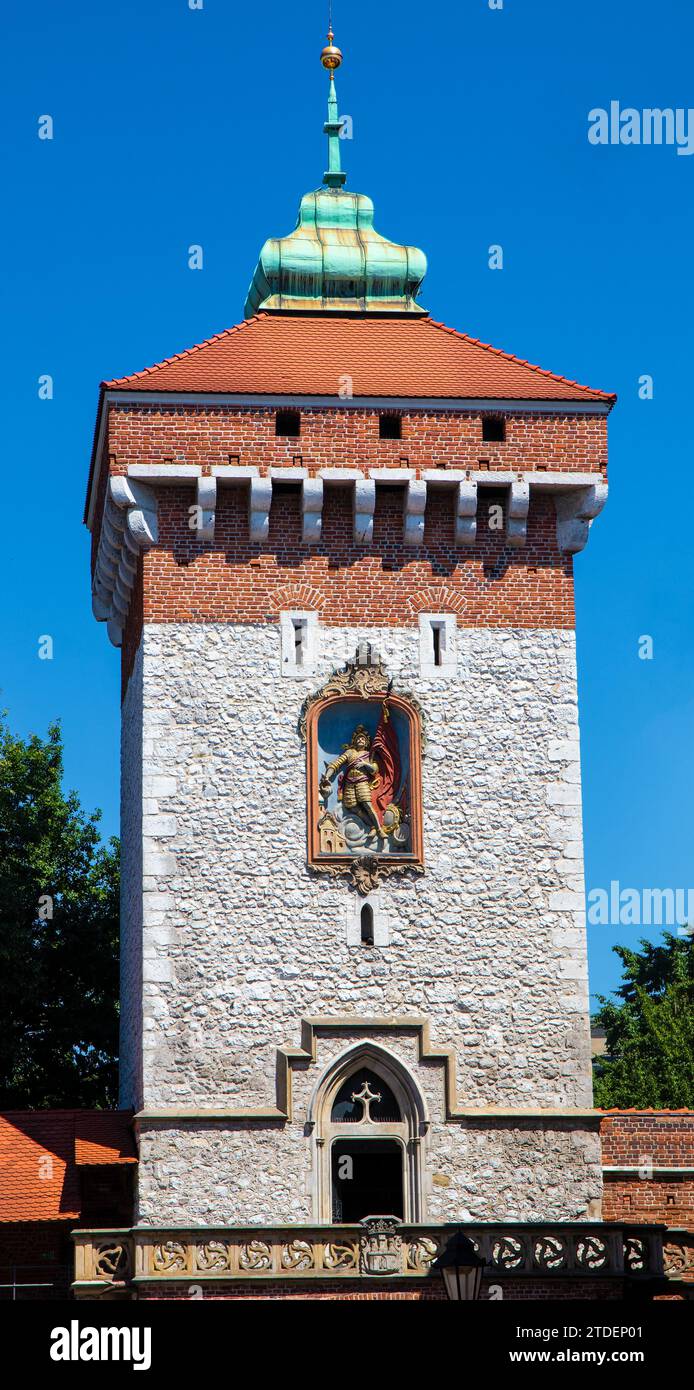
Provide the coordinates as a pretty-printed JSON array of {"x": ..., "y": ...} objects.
[
  {"x": 649, "y": 1036},
  {"x": 59, "y": 888}
]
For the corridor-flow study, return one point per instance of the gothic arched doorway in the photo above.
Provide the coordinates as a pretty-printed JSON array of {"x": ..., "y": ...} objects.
[
  {"x": 367, "y": 1165},
  {"x": 369, "y": 1123}
]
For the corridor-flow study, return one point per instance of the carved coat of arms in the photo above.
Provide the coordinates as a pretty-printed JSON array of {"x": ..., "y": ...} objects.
[{"x": 381, "y": 1245}]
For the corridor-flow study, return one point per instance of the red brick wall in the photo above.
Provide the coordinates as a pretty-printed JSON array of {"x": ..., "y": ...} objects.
[
  {"x": 370, "y": 1291},
  {"x": 658, "y": 1200},
  {"x": 635, "y": 1139},
  {"x": 185, "y": 579},
  {"x": 208, "y": 435},
  {"x": 232, "y": 580},
  {"x": 238, "y": 581},
  {"x": 35, "y": 1253}
]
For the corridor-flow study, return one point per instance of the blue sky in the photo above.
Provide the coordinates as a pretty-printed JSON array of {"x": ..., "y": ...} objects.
[{"x": 175, "y": 126}]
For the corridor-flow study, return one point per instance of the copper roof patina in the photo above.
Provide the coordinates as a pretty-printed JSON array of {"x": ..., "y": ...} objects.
[{"x": 335, "y": 261}]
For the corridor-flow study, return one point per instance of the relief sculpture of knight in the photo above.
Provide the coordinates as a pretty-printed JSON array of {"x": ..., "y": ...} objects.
[{"x": 363, "y": 802}]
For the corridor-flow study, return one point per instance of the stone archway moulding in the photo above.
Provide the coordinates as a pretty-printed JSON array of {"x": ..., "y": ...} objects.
[
  {"x": 409, "y": 1131},
  {"x": 364, "y": 1053}
]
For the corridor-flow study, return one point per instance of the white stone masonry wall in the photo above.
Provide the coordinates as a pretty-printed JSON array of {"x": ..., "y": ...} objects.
[{"x": 240, "y": 940}]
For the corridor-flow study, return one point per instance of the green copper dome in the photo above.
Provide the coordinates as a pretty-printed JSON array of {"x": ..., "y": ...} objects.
[{"x": 334, "y": 261}]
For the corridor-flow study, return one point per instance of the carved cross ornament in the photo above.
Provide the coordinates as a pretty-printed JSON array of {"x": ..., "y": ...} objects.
[{"x": 366, "y": 1095}]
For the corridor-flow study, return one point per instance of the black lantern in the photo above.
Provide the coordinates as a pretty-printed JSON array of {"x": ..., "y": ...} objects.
[{"x": 461, "y": 1269}]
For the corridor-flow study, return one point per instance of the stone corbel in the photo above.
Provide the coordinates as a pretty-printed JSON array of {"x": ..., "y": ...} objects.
[
  {"x": 415, "y": 507},
  {"x": 260, "y": 501},
  {"x": 517, "y": 514},
  {"x": 129, "y": 526},
  {"x": 207, "y": 503},
  {"x": 312, "y": 510},
  {"x": 364, "y": 508},
  {"x": 140, "y": 506},
  {"x": 466, "y": 514},
  {"x": 576, "y": 509}
]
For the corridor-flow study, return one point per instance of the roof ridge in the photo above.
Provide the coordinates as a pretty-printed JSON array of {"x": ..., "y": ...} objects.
[
  {"x": 187, "y": 352},
  {"x": 520, "y": 361}
]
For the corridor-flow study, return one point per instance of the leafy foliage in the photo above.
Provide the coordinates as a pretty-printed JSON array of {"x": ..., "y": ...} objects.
[
  {"x": 59, "y": 889},
  {"x": 649, "y": 1058}
]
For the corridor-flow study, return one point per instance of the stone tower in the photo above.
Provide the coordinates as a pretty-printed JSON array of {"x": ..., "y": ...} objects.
[{"x": 335, "y": 545}]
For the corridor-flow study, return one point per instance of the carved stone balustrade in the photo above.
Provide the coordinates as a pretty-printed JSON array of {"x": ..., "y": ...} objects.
[{"x": 115, "y": 1262}]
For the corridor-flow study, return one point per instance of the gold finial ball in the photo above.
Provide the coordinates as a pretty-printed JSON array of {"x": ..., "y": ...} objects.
[{"x": 331, "y": 56}]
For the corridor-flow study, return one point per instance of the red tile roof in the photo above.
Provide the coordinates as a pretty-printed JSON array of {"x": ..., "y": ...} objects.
[
  {"x": 104, "y": 1136},
  {"x": 40, "y": 1151},
  {"x": 307, "y": 355}
]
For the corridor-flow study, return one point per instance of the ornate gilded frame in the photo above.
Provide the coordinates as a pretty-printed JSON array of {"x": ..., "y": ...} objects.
[{"x": 360, "y": 682}]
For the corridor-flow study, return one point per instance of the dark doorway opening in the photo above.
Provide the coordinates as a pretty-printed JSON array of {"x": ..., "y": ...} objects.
[{"x": 367, "y": 1179}]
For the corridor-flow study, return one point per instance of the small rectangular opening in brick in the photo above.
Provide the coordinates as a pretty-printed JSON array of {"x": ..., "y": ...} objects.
[
  {"x": 390, "y": 426},
  {"x": 288, "y": 422},
  {"x": 494, "y": 428}
]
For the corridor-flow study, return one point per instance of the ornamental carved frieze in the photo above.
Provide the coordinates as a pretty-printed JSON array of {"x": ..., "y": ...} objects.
[
  {"x": 421, "y": 1254},
  {"x": 678, "y": 1256},
  {"x": 338, "y": 1255},
  {"x": 378, "y": 1246},
  {"x": 635, "y": 1254},
  {"x": 255, "y": 1255},
  {"x": 592, "y": 1252},
  {"x": 550, "y": 1252},
  {"x": 171, "y": 1255},
  {"x": 364, "y": 744},
  {"x": 298, "y": 1254},
  {"x": 112, "y": 1261},
  {"x": 508, "y": 1252},
  {"x": 214, "y": 1255}
]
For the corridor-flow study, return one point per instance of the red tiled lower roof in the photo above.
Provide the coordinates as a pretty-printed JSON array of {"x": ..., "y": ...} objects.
[
  {"x": 40, "y": 1151},
  {"x": 103, "y": 1137},
  {"x": 308, "y": 355}
]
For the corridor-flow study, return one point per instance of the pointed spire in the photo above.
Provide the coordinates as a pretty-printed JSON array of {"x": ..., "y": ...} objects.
[{"x": 331, "y": 59}]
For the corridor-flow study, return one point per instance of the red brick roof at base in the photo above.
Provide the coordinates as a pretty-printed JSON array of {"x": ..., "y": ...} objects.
[
  {"x": 311, "y": 355},
  {"x": 41, "y": 1152}
]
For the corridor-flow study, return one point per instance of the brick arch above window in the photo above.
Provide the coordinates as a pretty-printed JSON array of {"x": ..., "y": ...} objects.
[
  {"x": 295, "y": 596},
  {"x": 437, "y": 598}
]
